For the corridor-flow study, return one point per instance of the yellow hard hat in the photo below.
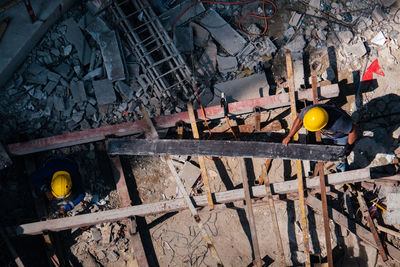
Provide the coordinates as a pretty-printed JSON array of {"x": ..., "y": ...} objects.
[
  {"x": 315, "y": 119},
  {"x": 61, "y": 184}
]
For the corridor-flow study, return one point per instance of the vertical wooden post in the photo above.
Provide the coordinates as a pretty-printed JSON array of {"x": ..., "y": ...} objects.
[
  {"x": 322, "y": 186},
  {"x": 201, "y": 158},
  {"x": 250, "y": 215},
  {"x": 304, "y": 223}
]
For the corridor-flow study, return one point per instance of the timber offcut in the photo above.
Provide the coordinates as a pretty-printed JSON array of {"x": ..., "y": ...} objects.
[{"x": 218, "y": 148}]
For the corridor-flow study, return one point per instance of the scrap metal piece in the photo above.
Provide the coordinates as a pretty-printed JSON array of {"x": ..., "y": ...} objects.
[{"x": 153, "y": 48}]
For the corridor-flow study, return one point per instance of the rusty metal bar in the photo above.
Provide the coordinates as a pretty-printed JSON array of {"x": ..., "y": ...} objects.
[
  {"x": 201, "y": 159},
  {"x": 303, "y": 208},
  {"x": 324, "y": 201},
  {"x": 364, "y": 210}
]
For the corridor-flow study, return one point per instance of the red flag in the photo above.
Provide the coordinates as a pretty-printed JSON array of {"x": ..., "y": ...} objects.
[{"x": 373, "y": 68}]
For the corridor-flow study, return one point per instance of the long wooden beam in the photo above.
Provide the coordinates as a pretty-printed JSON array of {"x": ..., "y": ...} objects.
[
  {"x": 218, "y": 148},
  {"x": 161, "y": 122},
  {"x": 199, "y": 201}
]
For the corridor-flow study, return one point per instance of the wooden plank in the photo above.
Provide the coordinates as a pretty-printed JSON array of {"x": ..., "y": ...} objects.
[
  {"x": 217, "y": 148},
  {"x": 250, "y": 214},
  {"x": 272, "y": 211},
  {"x": 352, "y": 226},
  {"x": 364, "y": 210},
  {"x": 179, "y": 204},
  {"x": 321, "y": 173},
  {"x": 200, "y": 159},
  {"x": 304, "y": 223},
  {"x": 125, "y": 200},
  {"x": 162, "y": 122}
]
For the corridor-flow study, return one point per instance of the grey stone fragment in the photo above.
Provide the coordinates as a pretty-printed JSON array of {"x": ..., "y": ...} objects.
[
  {"x": 63, "y": 69},
  {"x": 40, "y": 78},
  {"x": 378, "y": 15},
  {"x": 200, "y": 35},
  {"x": 96, "y": 26},
  {"x": 38, "y": 94},
  {"x": 60, "y": 90},
  {"x": 84, "y": 125},
  {"x": 77, "y": 116},
  {"x": 50, "y": 87},
  {"x": 93, "y": 74},
  {"x": 124, "y": 90},
  {"x": 111, "y": 56},
  {"x": 241, "y": 89},
  {"x": 68, "y": 107},
  {"x": 52, "y": 76},
  {"x": 49, "y": 106},
  {"x": 112, "y": 256},
  {"x": 206, "y": 65},
  {"x": 74, "y": 36},
  {"x": 189, "y": 173},
  {"x": 96, "y": 233},
  {"x": 345, "y": 36},
  {"x": 78, "y": 91},
  {"x": 183, "y": 39},
  {"x": 227, "y": 64},
  {"x": 223, "y": 33},
  {"x": 167, "y": 18},
  {"x": 90, "y": 110},
  {"x": 104, "y": 92},
  {"x": 59, "y": 103},
  {"x": 35, "y": 68},
  {"x": 297, "y": 45},
  {"x": 92, "y": 101}
]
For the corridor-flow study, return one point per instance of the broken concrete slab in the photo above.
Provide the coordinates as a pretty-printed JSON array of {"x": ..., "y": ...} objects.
[
  {"x": 104, "y": 92},
  {"x": 167, "y": 18},
  {"x": 189, "y": 174},
  {"x": 183, "y": 39},
  {"x": 75, "y": 36},
  {"x": 63, "y": 69},
  {"x": 345, "y": 36},
  {"x": 298, "y": 69},
  {"x": 200, "y": 35},
  {"x": 125, "y": 91},
  {"x": 52, "y": 76},
  {"x": 58, "y": 103},
  {"x": 251, "y": 87},
  {"x": 357, "y": 49},
  {"x": 392, "y": 215},
  {"x": 206, "y": 65},
  {"x": 93, "y": 74},
  {"x": 227, "y": 64},
  {"x": 297, "y": 44},
  {"x": 223, "y": 33},
  {"x": 111, "y": 56},
  {"x": 78, "y": 91}
]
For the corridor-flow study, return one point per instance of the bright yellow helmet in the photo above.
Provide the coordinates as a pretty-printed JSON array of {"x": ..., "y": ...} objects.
[
  {"x": 61, "y": 184},
  {"x": 315, "y": 119}
]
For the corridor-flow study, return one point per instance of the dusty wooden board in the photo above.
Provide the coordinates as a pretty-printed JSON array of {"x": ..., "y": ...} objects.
[
  {"x": 217, "y": 148},
  {"x": 179, "y": 204}
]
